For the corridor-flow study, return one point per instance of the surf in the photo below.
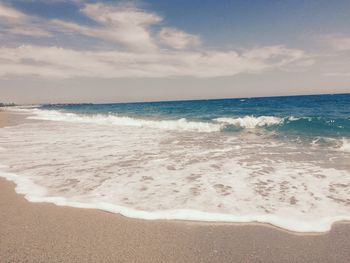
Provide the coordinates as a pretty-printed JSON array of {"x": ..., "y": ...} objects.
[{"x": 230, "y": 162}]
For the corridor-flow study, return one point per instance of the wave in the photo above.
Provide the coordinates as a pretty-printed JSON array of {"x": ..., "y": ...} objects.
[
  {"x": 180, "y": 124},
  {"x": 314, "y": 126},
  {"x": 251, "y": 122}
]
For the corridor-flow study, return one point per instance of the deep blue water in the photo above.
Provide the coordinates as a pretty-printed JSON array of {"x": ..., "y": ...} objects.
[{"x": 315, "y": 115}]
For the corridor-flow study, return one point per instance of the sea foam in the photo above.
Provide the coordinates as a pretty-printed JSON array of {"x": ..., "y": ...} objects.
[
  {"x": 180, "y": 124},
  {"x": 148, "y": 172},
  {"x": 251, "y": 122},
  {"x": 345, "y": 145}
]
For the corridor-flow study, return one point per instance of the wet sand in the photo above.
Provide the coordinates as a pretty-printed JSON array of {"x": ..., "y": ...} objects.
[{"x": 41, "y": 232}]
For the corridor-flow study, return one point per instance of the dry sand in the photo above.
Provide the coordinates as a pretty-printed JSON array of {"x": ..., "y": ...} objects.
[{"x": 41, "y": 232}]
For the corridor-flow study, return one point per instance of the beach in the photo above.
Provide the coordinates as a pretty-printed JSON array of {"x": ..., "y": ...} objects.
[
  {"x": 174, "y": 131},
  {"x": 43, "y": 232}
]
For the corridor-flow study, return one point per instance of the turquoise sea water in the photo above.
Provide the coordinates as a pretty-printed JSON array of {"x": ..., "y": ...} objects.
[{"x": 317, "y": 115}]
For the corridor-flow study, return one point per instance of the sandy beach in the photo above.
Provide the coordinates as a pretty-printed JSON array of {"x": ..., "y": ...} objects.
[{"x": 41, "y": 232}]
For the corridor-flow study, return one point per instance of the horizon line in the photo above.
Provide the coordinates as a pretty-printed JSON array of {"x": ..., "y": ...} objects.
[{"x": 178, "y": 100}]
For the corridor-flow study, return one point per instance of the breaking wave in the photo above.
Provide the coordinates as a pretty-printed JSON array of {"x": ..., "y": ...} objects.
[
  {"x": 313, "y": 126},
  {"x": 180, "y": 124},
  {"x": 251, "y": 122}
]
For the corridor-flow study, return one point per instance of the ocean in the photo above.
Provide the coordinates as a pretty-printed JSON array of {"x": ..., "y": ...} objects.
[{"x": 278, "y": 160}]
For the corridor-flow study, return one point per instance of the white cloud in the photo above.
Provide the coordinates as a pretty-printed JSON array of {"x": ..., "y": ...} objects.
[
  {"x": 67, "y": 63},
  {"x": 129, "y": 26},
  {"x": 25, "y": 30},
  {"x": 126, "y": 25},
  {"x": 14, "y": 22},
  {"x": 337, "y": 42},
  {"x": 9, "y": 12},
  {"x": 142, "y": 55},
  {"x": 177, "y": 39}
]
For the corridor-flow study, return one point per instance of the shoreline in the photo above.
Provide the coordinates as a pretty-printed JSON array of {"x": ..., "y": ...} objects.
[{"x": 44, "y": 232}]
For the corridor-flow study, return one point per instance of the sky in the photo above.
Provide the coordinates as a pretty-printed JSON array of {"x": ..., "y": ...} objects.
[{"x": 60, "y": 51}]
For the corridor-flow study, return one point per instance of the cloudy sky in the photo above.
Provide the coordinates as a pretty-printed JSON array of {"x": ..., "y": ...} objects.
[{"x": 110, "y": 51}]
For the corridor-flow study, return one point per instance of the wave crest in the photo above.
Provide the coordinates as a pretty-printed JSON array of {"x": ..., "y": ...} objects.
[
  {"x": 180, "y": 124},
  {"x": 313, "y": 126},
  {"x": 183, "y": 124},
  {"x": 251, "y": 122}
]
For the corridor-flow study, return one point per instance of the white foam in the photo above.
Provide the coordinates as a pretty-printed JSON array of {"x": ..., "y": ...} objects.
[
  {"x": 251, "y": 122},
  {"x": 292, "y": 118},
  {"x": 345, "y": 146},
  {"x": 25, "y": 186},
  {"x": 292, "y": 222},
  {"x": 143, "y": 172},
  {"x": 180, "y": 124},
  {"x": 342, "y": 145}
]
